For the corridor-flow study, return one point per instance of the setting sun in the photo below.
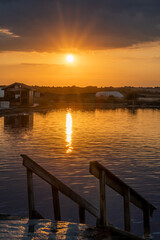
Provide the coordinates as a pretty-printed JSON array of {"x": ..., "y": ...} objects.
[{"x": 70, "y": 58}]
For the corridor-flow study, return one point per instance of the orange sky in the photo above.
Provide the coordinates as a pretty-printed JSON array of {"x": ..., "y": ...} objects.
[
  {"x": 134, "y": 66},
  {"x": 115, "y": 43}
]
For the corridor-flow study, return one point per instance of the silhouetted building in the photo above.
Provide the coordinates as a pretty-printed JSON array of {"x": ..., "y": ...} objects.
[
  {"x": 18, "y": 94},
  {"x": 3, "y": 104}
]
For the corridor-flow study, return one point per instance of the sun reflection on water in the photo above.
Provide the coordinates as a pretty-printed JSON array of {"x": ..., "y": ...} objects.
[{"x": 69, "y": 132}]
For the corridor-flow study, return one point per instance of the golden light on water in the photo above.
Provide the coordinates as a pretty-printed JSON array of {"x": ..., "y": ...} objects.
[{"x": 69, "y": 132}]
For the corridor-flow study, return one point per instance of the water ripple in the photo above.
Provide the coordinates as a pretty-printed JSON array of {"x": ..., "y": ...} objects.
[{"x": 65, "y": 142}]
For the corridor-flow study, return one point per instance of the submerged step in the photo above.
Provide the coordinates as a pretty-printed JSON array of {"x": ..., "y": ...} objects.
[{"x": 48, "y": 229}]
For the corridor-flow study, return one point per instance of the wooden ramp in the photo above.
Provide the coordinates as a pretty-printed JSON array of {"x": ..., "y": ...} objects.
[{"x": 104, "y": 230}]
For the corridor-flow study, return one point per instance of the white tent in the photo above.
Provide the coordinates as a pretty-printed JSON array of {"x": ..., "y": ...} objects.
[{"x": 115, "y": 94}]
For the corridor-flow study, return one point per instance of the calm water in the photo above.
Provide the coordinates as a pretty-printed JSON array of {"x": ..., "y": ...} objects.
[{"x": 64, "y": 141}]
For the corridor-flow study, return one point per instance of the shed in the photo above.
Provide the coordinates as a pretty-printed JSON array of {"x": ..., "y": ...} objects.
[
  {"x": 18, "y": 94},
  {"x": 107, "y": 94}
]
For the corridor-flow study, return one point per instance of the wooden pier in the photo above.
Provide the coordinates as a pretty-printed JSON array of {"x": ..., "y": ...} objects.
[{"x": 105, "y": 178}]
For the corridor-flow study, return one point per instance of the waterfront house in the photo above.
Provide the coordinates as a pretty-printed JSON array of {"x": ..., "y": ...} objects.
[
  {"x": 18, "y": 94},
  {"x": 3, "y": 104}
]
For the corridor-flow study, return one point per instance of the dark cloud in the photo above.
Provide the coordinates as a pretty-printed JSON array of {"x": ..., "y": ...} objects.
[{"x": 51, "y": 25}]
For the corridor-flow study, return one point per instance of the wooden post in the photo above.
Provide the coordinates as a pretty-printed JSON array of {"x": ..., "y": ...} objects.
[
  {"x": 146, "y": 221},
  {"x": 102, "y": 184},
  {"x": 31, "y": 205},
  {"x": 127, "y": 217},
  {"x": 81, "y": 214},
  {"x": 56, "y": 204},
  {"x": 53, "y": 181}
]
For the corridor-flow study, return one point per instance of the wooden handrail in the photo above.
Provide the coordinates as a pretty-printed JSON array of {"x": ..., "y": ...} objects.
[
  {"x": 105, "y": 178},
  {"x": 57, "y": 185},
  {"x": 108, "y": 178}
]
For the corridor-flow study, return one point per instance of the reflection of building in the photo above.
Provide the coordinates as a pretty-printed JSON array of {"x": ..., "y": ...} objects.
[
  {"x": 19, "y": 121},
  {"x": 18, "y": 94}
]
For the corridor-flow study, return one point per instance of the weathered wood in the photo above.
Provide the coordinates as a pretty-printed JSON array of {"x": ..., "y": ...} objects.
[
  {"x": 36, "y": 215},
  {"x": 146, "y": 221},
  {"x": 110, "y": 232},
  {"x": 45, "y": 175},
  {"x": 102, "y": 184},
  {"x": 127, "y": 217},
  {"x": 118, "y": 185},
  {"x": 56, "y": 204},
  {"x": 31, "y": 205},
  {"x": 129, "y": 195},
  {"x": 81, "y": 214}
]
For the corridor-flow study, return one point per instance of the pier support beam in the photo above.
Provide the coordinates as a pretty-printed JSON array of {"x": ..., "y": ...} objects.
[
  {"x": 56, "y": 204},
  {"x": 102, "y": 183},
  {"x": 146, "y": 221},
  {"x": 127, "y": 217},
  {"x": 31, "y": 205}
]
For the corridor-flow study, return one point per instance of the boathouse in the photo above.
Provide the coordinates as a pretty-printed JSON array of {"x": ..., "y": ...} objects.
[
  {"x": 18, "y": 94},
  {"x": 3, "y": 104}
]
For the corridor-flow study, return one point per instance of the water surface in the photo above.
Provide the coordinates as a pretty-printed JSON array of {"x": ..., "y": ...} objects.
[{"x": 65, "y": 141}]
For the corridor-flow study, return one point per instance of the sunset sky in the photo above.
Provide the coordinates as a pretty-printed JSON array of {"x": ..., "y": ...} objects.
[{"x": 114, "y": 42}]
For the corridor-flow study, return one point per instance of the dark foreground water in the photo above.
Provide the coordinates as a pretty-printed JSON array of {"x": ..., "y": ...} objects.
[{"x": 64, "y": 141}]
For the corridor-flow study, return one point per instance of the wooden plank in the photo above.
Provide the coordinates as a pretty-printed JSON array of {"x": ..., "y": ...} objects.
[
  {"x": 146, "y": 221},
  {"x": 56, "y": 204},
  {"x": 102, "y": 184},
  {"x": 81, "y": 214},
  {"x": 118, "y": 185},
  {"x": 36, "y": 215},
  {"x": 127, "y": 217},
  {"x": 111, "y": 232},
  {"x": 45, "y": 175},
  {"x": 31, "y": 205}
]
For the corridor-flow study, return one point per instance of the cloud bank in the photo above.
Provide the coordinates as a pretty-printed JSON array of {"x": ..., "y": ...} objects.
[
  {"x": 6, "y": 33},
  {"x": 57, "y": 25}
]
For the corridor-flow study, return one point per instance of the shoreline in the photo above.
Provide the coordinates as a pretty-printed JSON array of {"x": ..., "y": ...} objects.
[{"x": 75, "y": 106}]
